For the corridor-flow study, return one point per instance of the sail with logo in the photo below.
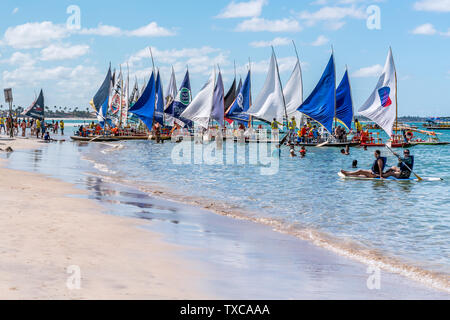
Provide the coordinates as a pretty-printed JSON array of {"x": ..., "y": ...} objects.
[
  {"x": 182, "y": 101},
  {"x": 381, "y": 107},
  {"x": 238, "y": 110},
  {"x": 36, "y": 110}
]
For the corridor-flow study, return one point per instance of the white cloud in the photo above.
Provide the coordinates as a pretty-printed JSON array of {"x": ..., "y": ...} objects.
[
  {"x": 425, "y": 29},
  {"x": 150, "y": 30},
  {"x": 34, "y": 35},
  {"x": 248, "y": 9},
  {"x": 333, "y": 17},
  {"x": 102, "y": 30},
  {"x": 264, "y": 25},
  {"x": 63, "y": 52},
  {"x": 277, "y": 42},
  {"x": 15, "y": 10},
  {"x": 320, "y": 41},
  {"x": 372, "y": 71},
  {"x": 21, "y": 59},
  {"x": 433, "y": 5}
]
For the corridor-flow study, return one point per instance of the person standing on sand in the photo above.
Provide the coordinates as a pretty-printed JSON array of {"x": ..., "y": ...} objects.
[
  {"x": 23, "y": 125},
  {"x": 38, "y": 128},
  {"x": 43, "y": 128}
]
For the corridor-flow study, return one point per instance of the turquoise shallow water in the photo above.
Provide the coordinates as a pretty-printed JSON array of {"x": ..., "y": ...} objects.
[
  {"x": 406, "y": 222},
  {"x": 404, "y": 225}
]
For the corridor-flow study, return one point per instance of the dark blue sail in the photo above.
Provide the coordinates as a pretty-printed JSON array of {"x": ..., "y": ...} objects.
[
  {"x": 159, "y": 112},
  {"x": 344, "y": 104},
  {"x": 144, "y": 108},
  {"x": 36, "y": 110},
  {"x": 237, "y": 111},
  {"x": 182, "y": 101},
  {"x": 320, "y": 105}
]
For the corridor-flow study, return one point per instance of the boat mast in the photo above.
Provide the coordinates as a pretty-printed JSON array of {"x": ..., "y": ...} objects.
[
  {"x": 281, "y": 85},
  {"x": 300, "y": 66},
  {"x": 250, "y": 93},
  {"x": 335, "y": 109},
  {"x": 396, "y": 98},
  {"x": 351, "y": 96}
]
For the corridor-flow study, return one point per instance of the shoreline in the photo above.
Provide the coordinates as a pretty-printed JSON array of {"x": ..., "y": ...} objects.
[
  {"x": 190, "y": 256},
  {"x": 54, "y": 229}
]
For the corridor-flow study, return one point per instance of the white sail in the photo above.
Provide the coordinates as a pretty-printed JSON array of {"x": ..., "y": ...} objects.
[
  {"x": 199, "y": 111},
  {"x": 381, "y": 106},
  {"x": 269, "y": 104},
  {"x": 171, "y": 93},
  {"x": 293, "y": 94}
]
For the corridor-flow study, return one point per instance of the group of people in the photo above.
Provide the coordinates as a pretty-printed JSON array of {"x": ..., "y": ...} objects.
[
  {"x": 39, "y": 128},
  {"x": 402, "y": 171}
]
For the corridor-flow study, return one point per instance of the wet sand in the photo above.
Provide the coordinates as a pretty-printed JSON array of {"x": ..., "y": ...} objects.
[
  {"x": 43, "y": 232},
  {"x": 130, "y": 244}
]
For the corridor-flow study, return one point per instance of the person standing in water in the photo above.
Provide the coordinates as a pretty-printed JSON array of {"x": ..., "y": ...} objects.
[
  {"x": 61, "y": 126},
  {"x": 376, "y": 171}
]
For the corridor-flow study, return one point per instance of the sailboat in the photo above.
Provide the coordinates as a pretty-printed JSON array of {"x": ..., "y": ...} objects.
[
  {"x": 200, "y": 109},
  {"x": 326, "y": 103},
  {"x": 37, "y": 109},
  {"x": 382, "y": 107},
  {"x": 270, "y": 103}
]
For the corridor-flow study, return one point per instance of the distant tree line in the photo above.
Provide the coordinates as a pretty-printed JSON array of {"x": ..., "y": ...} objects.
[{"x": 54, "y": 112}]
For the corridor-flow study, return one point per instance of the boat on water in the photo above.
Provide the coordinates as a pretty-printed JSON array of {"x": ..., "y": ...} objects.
[{"x": 437, "y": 124}]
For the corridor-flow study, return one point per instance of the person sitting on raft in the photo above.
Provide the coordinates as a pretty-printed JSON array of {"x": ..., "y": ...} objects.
[
  {"x": 405, "y": 165},
  {"x": 376, "y": 171}
]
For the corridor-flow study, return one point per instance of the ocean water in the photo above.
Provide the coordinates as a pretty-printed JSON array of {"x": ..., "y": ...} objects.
[{"x": 403, "y": 227}]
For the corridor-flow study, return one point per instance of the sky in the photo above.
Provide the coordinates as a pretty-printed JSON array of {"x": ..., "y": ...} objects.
[{"x": 46, "y": 44}]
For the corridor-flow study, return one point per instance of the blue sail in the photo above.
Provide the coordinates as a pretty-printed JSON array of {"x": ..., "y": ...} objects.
[
  {"x": 144, "y": 108},
  {"x": 344, "y": 104},
  {"x": 159, "y": 112},
  {"x": 320, "y": 105},
  {"x": 102, "y": 94},
  {"x": 240, "y": 106},
  {"x": 182, "y": 101}
]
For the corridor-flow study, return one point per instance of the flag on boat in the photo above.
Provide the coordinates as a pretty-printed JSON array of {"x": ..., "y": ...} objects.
[
  {"x": 321, "y": 104},
  {"x": 199, "y": 110},
  {"x": 134, "y": 96},
  {"x": 116, "y": 96},
  {"x": 182, "y": 101},
  {"x": 102, "y": 94},
  {"x": 381, "y": 107},
  {"x": 344, "y": 103},
  {"x": 159, "y": 111},
  {"x": 36, "y": 110},
  {"x": 144, "y": 108},
  {"x": 293, "y": 94},
  {"x": 171, "y": 93},
  {"x": 218, "y": 109},
  {"x": 239, "y": 108},
  {"x": 125, "y": 103},
  {"x": 270, "y": 104}
]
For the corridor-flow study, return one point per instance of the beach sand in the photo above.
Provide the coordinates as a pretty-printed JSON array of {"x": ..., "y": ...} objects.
[
  {"x": 43, "y": 232},
  {"x": 129, "y": 244}
]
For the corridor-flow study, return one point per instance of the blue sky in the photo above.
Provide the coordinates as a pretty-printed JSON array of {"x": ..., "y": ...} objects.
[{"x": 39, "y": 51}]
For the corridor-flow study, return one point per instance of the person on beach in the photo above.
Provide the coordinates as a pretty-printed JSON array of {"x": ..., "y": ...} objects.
[
  {"x": 43, "y": 128},
  {"x": 404, "y": 167},
  {"x": 61, "y": 126},
  {"x": 38, "y": 128},
  {"x": 23, "y": 125},
  {"x": 2, "y": 125},
  {"x": 292, "y": 125},
  {"x": 376, "y": 171}
]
